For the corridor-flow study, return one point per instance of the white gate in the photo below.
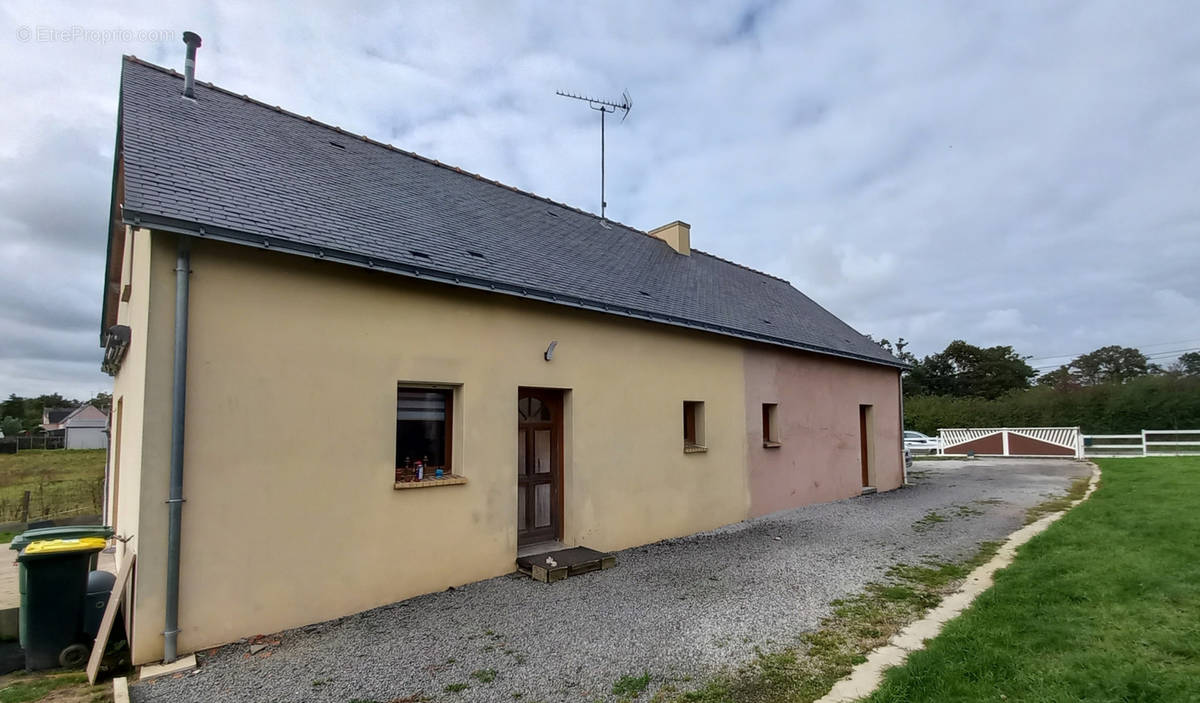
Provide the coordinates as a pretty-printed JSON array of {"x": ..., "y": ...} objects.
[{"x": 1011, "y": 441}]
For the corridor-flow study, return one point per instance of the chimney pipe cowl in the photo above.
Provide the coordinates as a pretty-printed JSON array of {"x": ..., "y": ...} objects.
[{"x": 189, "y": 65}]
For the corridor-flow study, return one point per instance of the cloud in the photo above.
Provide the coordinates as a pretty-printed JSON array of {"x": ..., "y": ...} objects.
[{"x": 1001, "y": 173}]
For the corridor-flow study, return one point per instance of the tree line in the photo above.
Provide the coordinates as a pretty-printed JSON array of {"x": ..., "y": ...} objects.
[
  {"x": 20, "y": 415},
  {"x": 1113, "y": 389}
]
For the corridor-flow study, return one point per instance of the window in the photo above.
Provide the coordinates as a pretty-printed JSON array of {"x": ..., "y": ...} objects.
[
  {"x": 423, "y": 432},
  {"x": 693, "y": 426},
  {"x": 770, "y": 426}
]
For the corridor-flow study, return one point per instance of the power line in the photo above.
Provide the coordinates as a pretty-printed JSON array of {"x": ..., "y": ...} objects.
[
  {"x": 1152, "y": 355},
  {"x": 1156, "y": 344}
]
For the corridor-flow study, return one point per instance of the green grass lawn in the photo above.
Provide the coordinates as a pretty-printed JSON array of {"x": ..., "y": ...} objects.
[
  {"x": 59, "y": 480},
  {"x": 1103, "y": 606},
  {"x": 55, "y": 686}
]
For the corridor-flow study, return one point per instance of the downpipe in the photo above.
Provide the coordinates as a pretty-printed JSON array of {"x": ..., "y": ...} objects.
[{"x": 175, "y": 496}]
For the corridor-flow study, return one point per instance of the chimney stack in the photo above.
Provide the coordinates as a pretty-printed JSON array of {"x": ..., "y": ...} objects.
[
  {"x": 677, "y": 234},
  {"x": 189, "y": 65}
]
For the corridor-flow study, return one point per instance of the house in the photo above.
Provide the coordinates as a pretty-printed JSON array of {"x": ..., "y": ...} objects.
[
  {"x": 573, "y": 380},
  {"x": 52, "y": 418},
  {"x": 85, "y": 427}
]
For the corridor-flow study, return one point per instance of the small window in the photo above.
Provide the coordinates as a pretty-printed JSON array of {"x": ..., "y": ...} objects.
[
  {"x": 693, "y": 426},
  {"x": 423, "y": 432},
  {"x": 770, "y": 424}
]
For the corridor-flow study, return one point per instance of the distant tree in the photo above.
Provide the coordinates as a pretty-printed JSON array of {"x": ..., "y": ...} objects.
[
  {"x": 10, "y": 426},
  {"x": 1111, "y": 364},
  {"x": 13, "y": 407},
  {"x": 1060, "y": 379},
  {"x": 897, "y": 350},
  {"x": 103, "y": 401},
  {"x": 1187, "y": 364},
  {"x": 963, "y": 369}
]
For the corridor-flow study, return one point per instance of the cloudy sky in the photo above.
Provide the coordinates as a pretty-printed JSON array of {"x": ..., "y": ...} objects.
[{"x": 1023, "y": 173}]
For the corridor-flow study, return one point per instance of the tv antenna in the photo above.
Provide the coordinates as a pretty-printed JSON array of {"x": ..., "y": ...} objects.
[{"x": 604, "y": 107}]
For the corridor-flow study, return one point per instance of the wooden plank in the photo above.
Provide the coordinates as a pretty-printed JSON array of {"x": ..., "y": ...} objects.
[
  {"x": 110, "y": 616},
  {"x": 120, "y": 690}
]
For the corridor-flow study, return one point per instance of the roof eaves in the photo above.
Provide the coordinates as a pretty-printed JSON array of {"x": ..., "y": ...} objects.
[
  {"x": 204, "y": 231},
  {"x": 113, "y": 207}
]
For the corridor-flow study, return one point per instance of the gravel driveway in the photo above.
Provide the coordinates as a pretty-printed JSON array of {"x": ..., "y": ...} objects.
[{"x": 679, "y": 609}]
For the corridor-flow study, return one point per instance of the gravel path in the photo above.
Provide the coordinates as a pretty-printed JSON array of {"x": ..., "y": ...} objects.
[{"x": 679, "y": 609}]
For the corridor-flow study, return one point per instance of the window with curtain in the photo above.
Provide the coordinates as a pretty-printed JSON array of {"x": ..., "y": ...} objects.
[{"x": 423, "y": 432}]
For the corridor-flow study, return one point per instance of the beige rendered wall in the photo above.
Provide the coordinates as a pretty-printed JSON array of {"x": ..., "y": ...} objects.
[
  {"x": 129, "y": 388},
  {"x": 817, "y": 417},
  {"x": 144, "y": 386},
  {"x": 291, "y": 517}
]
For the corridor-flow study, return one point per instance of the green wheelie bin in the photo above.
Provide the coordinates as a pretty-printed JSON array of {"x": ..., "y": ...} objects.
[
  {"x": 54, "y": 584},
  {"x": 61, "y": 532}
]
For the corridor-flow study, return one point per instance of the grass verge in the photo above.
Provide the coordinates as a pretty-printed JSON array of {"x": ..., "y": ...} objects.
[
  {"x": 1103, "y": 606},
  {"x": 59, "y": 686}
]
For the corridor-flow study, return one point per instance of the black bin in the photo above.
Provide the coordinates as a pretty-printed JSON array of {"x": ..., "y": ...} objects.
[{"x": 54, "y": 588}]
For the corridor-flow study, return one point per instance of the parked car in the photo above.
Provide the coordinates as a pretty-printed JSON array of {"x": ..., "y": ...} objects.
[{"x": 919, "y": 443}]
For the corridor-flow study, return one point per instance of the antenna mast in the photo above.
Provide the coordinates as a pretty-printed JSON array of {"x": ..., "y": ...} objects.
[{"x": 603, "y": 107}]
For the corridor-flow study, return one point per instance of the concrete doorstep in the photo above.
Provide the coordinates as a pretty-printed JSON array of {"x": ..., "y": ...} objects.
[{"x": 866, "y": 677}]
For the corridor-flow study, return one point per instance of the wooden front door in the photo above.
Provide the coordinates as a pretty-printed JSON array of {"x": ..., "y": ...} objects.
[{"x": 539, "y": 465}]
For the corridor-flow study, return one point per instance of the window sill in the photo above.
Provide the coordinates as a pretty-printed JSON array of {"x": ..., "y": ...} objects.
[
  {"x": 694, "y": 449},
  {"x": 451, "y": 480},
  {"x": 772, "y": 445}
]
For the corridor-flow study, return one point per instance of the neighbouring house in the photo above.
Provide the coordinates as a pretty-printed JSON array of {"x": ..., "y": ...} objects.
[
  {"x": 574, "y": 380},
  {"x": 85, "y": 427},
  {"x": 52, "y": 418}
]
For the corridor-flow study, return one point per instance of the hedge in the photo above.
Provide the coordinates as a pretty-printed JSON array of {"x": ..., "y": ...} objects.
[{"x": 1162, "y": 402}]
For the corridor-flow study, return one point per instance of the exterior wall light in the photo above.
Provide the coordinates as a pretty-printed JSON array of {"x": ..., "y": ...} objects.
[{"x": 550, "y": 350}]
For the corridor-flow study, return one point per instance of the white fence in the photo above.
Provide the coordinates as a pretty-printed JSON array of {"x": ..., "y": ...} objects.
[
  {"x": 1148, "y": 443},
  {"x": 1011, "y": 441}
]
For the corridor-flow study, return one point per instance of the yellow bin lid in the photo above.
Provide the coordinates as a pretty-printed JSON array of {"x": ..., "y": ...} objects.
[{"x": 59, "y": 546}]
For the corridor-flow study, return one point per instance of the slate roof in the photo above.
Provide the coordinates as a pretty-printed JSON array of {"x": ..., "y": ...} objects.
[
  {"x": 56, "y": 415},
  {"x": 228, "y": 167}
]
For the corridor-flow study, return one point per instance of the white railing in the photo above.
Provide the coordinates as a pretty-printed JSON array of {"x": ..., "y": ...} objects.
[
  {"x": 1011, "y": 441},
  {"x": 1148, "y": 443}
]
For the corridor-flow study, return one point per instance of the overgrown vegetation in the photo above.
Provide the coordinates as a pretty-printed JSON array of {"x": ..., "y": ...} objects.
[
  {"x": 1112, "y": 390},
  {"x": 1058, "y": 503},
  {"x": 1102, "y": 606},
  {"x": 59, "y": 481},
  {"x": 806, "y": 671},
  {"x": 631, "y": 686},
  {"x": 1159, "y": 402},
  {"x": 928, "y": 522}
]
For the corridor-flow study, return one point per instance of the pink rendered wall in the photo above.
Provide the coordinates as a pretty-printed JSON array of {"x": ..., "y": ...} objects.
[{"x": 818, "y": 426}]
